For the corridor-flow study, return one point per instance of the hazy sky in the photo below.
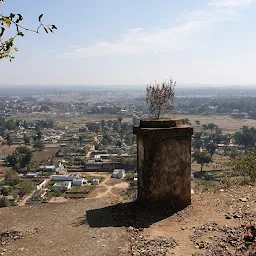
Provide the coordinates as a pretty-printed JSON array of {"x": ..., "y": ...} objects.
[{"x": 135, "y": 42}]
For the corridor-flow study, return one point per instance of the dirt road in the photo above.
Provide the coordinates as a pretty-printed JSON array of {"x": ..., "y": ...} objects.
[
  {"x": 92, "y": 148},
  {"x": 24, "y": 200},
  {"x": 110, "y": 189}
]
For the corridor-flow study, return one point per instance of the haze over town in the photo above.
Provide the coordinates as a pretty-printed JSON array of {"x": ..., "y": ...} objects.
[
  {"x": 135, "y": 42},
  {"x": 127, "y": 128}
]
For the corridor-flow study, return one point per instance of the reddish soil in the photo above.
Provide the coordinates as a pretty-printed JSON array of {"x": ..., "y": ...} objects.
[{"x": 98, "y": 226}]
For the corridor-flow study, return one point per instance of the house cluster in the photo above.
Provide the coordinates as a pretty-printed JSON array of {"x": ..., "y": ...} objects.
[
  {"x": 65, "y": 182},
  {"x": 222, "y": 147},
  {"x": 14, "y": 105},
  {"x": 101, "y": 161}
]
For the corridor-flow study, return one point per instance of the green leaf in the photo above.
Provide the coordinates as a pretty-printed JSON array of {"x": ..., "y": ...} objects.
[{"x": 40, "y": 17}]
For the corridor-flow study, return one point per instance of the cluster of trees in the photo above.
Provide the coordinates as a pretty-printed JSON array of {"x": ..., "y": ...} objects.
[
  {"x": 20, "y": 157},
  {"x": 217, "y": 105},
  {"x": 246, "y": 137},
  {"x": 124, "y": 129},
  {"x": 9, "y": 124},
  {"x": 11, "y": 178},
  {"x": 41, "y": 124},
  {"x": 11, "y": 182},
  {"x": 12, "y": 125},
  {"x": 242, "y": 163},
  {"x": 202, "y": 158},
  {"x": 209, "y": 141}
]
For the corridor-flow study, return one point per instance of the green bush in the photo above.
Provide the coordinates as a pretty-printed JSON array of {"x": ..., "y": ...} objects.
[
  {"x": 11, "y": 178},
  {"x": 6, "y": 190},
  {"x": 26, "y": 187},
  {"x": 246, "y": 165},
  {"x": 4, "y": 202}
]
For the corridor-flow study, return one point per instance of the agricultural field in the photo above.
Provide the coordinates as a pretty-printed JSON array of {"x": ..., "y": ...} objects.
[
  {"x": 225, "y": 122},
  {"x": 44, "y": 155}
]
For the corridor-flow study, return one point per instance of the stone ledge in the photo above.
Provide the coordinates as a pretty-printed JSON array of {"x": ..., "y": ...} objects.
[
  {"x": 182, "y": 131},
  {"x": 161, "y": 123}
]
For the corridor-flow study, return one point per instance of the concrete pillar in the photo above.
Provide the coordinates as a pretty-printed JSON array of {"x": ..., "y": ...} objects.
[{"x": 164, "y": 163}]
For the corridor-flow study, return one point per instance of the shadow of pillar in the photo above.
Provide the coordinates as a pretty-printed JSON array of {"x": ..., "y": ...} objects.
[{"x": 125, "y": 215}]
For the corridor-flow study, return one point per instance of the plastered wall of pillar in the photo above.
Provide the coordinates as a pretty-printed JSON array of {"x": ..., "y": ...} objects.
[{"x": 164, "y": 163}]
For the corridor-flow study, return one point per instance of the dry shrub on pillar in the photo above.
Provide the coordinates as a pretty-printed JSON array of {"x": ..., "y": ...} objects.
[
  {"x": 160, "y": 98},
  {"x": 163, "y": 153}
]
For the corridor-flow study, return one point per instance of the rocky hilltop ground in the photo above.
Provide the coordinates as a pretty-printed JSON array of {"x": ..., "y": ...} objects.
[{"x": 219, "y": 222}]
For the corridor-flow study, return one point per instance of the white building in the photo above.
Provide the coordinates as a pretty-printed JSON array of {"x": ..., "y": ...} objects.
[
  {"x": 69, "y": 177},
  {"x": 62, "y": 186},
  {"x": 118, "y": 173},
  {"x": 31, "y": 175},
  {"x": 79, "y": 182},
  {"x": 95, "y": 182},
  {"x": 39, "y": 186}
]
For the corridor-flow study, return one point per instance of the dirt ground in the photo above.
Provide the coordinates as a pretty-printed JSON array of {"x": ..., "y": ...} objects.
[
  {"x": 110, "y": 189},
  {"x": 101, "y": 225},
  {"x": 60, "y": 229},
  {"x": 6, "y": 150},
  {"x": 44, "y": 155},
  {"x": 206, "y": 208}
]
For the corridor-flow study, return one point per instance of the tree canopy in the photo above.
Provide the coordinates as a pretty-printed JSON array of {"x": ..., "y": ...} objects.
[
  {"x": 246, "y": 137},
  {"x": 20, "y": 157},
  {"x": 11, "y": 178},
  {"x": 202, "y": 158}
]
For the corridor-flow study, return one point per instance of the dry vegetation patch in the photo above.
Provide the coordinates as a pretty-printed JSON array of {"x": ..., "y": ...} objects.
[
  {"x": 225, "y": 122},
  {"x": 44, "y": 155}
]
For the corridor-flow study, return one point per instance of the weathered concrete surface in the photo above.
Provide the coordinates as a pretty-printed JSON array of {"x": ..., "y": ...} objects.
[{"x": 164, "y": 163}]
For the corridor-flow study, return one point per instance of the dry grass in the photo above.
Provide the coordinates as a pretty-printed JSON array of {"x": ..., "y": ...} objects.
[
  {"x": 3, "y": 170},
  {"x": 226, "y": 123},
  {"x": 42, "y": 156},
  {"x": 6, "y": 150},
  {"x": 112, "y": 182}
]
